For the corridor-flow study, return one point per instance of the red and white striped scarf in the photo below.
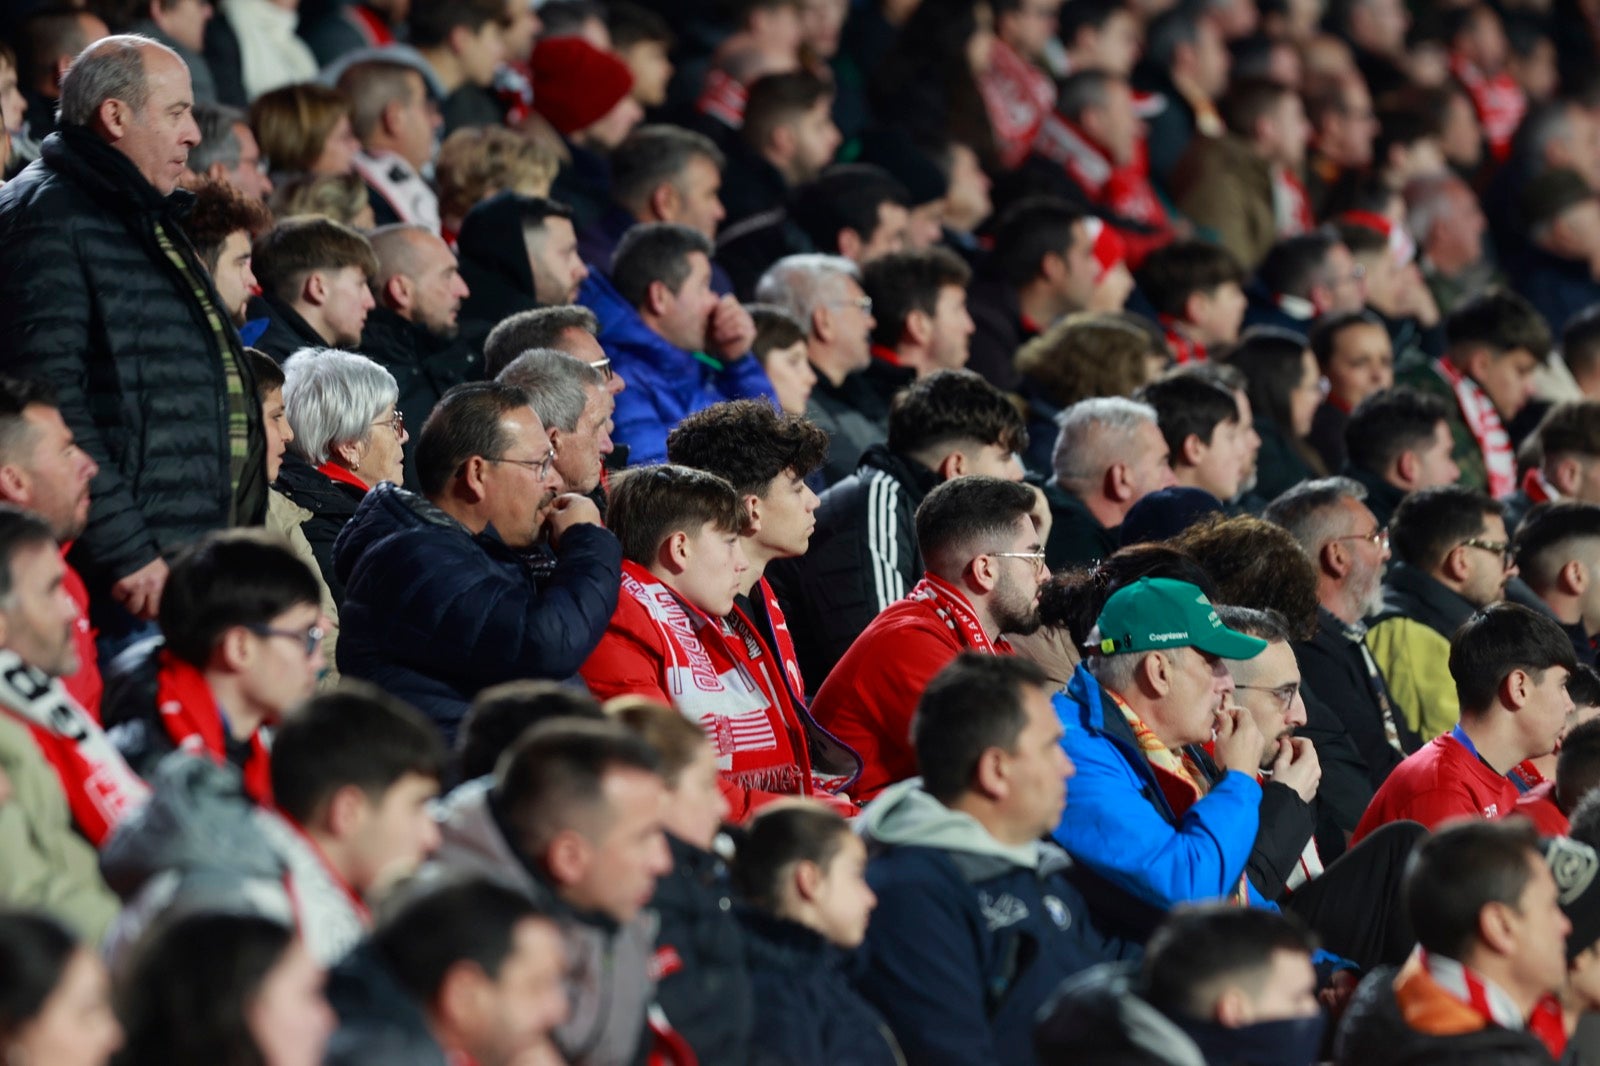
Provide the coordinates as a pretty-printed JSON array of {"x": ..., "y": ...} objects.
[
  {"x": 1017, "y": 96},
  {"x": 1477, "y": 411},
  {"x": 954, "y": 610}
]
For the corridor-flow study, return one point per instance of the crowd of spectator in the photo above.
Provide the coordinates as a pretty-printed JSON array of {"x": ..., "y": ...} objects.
[{"x": 773, "y": 532}]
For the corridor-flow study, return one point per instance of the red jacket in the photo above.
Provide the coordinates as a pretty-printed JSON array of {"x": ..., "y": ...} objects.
[
  {"x": 84, "y": 686},
  {"x": 1440, "y": 781}
]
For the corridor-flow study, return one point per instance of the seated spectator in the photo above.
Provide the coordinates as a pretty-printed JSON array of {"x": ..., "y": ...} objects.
[
  {"x": 1470, "y": 992},
  {"x": 704, "y": 988},
  {"x": 260, "y": 987},
  {"x": 781, "y": 348},
  {"x": 346, "y": 435},
  {"x": 1200, "y": 423},
  {"x": 1344, "y": 127},
  {"x": 1567, "y": 446},
  {"x": 314, "y": 276},
  {"x": 864, "y": 555},
  {"x": 668, "y": 333},
  {"x": 1557, "y": 270},
  {"x": 1356, "y": 358},
  {"x": 787, "y": 137},
  {"x": 1452, "y": 557},
  {"x": 228, "y": 151},
  {"x": 502, "y": 713},
  {"x": 1445, "y": 218},
  {"x": 1496, "y": 340},
  {"x": 1553, "y": 785},
  {"x": 994, "y": 783},
  {"x": 462, "y": 43},
  {"x": 1570, "y": 862},
  {"x": 586, "y": 94},
  {"x": 574, "y": 819},
  {"x": 516, "y": 253},
  {"x": 342, "y": 198},
  {"x": 57, "y": 994},
  {"x": 643, "y": 40},
  {"x": 241, "y": 644},
  {"x": 1042, "y": 268},
  {"x": 1580, "y": 352},
  {"x": 417, "y": 569},
  {"x": 476, "y": 162},
  {"x": 1217, "y": 983},
  {"x": 1302, "y": 277},
  {"x": 337, "y": 32},
  {"x": 304, "y": 129},
  {"x": 824, "y": 294},
  {"x": 1109, "y": 455},
  {"x": 1185, "y": 67},
  {"x": 1395, "y": 291},
  {"x": 469, "y": 968},
  {"x": 1017, "y": 91},
  {"x": 1396, "y": 442},
  {"x": 1081, "y": 357},
  {"x": 396, "y": 122},
  {"x": 221, "y": 226},
  {"x": 1558, "y": 555},
  {"x": 660, "y": 173},
  {"x": 1510, "y": 666},
  {"x": 1285, "y": 390},
  {"x": 921, "y": 322},
  {"x": 567, "y": 328},
  {"x": 981, "y": 546},
  {"x": 800, "y": 872},
  {"x": 572, "y": 402},
  {"x": 1241, "y": 187},
  {"x": 1196, "y": 290}
]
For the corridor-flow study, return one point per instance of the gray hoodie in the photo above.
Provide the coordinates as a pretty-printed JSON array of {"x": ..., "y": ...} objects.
[{"x": 905, "y": 815}]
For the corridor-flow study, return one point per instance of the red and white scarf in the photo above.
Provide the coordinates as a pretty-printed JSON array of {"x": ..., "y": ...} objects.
[
  {"x": 954, "y": 610},
  {"x": 1538, "y": 488},
  {"x": 1498, "y": 100},
  {"x": 1017, "y": 96},
  {"x": 723, "y": 98},
  {"x": 193, "y": 721},
  {"x": 100, "y": 787},
  {"x": 1477, "y": 411},
  {"x": 1291, "y": 205},
  {"x": 1493, "y": 1004},
  {"x": 1185, "y": 349}
]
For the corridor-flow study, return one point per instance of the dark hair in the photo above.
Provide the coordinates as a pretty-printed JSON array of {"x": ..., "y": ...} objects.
[
  {"x": 431, "y": 21},
  {"x": 1248, "y": 101},
  {"x": 1267, "y": 625},
  {"x": 1580, "y": 341},
  {"x": 1273, "y": 361},
  {"x": 358, "y": 735},
  {"x": 17, "y": 394},
  {"x": 565, "y": 18},
  {"x": 1325, "y": 332},
  {"x": 266, "y": 371},
  {"x": 776, "y": 99},
  {"x": 925, "y": 80},
  {"x": 778, "y": 836},
  {"x": 631, "y": 24},
  {"x": 502, "y": 713},
  {"x": 472, "y": 921},
  {"x": 654, "y": 155},
  {"x": 970, "y": 706},
  {"x": 677, "y": 739},
  {"x": 186, "y": 994},
  {"x": 34, "y": 952},
  {"x": 1177, "y": 26},
  {"x": 1089, "y": 354},
  {"x": 286, "y": 254},
  {"x": 902, "y": 282},
  {"x": 654, "y": 251},
  {"x": 775, "y": 328},
  {"x": 1578, "y": 765},
  {"x": 1188, "y": 406},
  {"x": 1086, "y": 14},
  {"x": 221, "y": 210},
  {"x": 541, "y": 327},
  {"x": 845, "y": 196},
  {"x": 1499, "y": 320},
  {"x": 648, "y": 504},
  {"x": 1256, "y": 564},
  {"x": 749, "y": 444},
  {"x": 1571, "y": 427},
  {"x": 464, "y": 423},
  {"x": 1295, "y": 264},
  {"x": 1198, "y": 952},
  {"x": 1083, "y": 89},
  {"x": 1075, "y": 598},
  {"x": 1459, "y": 870},
  {"x": 1545, "y": 541},
  {"x": 237, "y": 577},
  {"x": 960, "y": 513},
  {"x": 1584, "y": 819},
  {"x": 1029, "y": 230},
  {"x": 1498, "y": 639},
  {"x": 1389, "y": 423},
  {"x": 951, "y": 406},
  {"x": 1584, "y": 686},
  {"x": 556, "y": 770},
  {"x": 1429, "y": 523},
  {"x": 1170, "y": 275}
]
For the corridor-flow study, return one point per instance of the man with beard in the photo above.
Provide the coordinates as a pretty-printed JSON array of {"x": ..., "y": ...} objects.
[
  {"x": 981, "y": 545},
  {"x": 221, "y": 226},
  {"x": 439, "y": 603}
]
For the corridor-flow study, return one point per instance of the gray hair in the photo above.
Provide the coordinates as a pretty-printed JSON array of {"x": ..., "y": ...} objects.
[
  {"x": 218, "y": 141},
  {"x": 538, "y": 328},
  {"x": 333, "y": 397},
  {"x": 655, "y": 155},
  {"x": 111, "y": 68},
  {"x": 801, "y": 283},
  {"x": 1267, "y": 625},
  {"x": 1428, "y": 203},
  {"x": 1094, "y": 433},
  {"x": 1308, "y": 512},
  {"x": 557, "y": 385},
  {"x": 1115, "y": 672}
]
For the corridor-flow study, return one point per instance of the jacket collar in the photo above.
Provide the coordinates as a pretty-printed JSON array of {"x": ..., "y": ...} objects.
[
  {"x": 1418, "y": 595},
  {"x": 910, "y": 473},
  {"x": 107, "y": 173}
]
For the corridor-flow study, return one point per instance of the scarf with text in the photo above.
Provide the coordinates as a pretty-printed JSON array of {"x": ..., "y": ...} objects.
[
  {"x": 193, "y": 721},
  {"x": 954, "y": 610},
  {"x": 1477, "y": 411},
  {"x": 1017, "y": 96},
  {"x": 1498, "y": 100},
  {"x": 100, "y": 787}
]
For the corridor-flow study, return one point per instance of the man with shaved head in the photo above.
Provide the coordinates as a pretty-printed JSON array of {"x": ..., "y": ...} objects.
[{"x": 102, "y": 295}]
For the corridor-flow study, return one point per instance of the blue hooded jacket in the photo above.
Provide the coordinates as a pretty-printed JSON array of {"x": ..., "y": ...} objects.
[{"x": 665, "y": 383}]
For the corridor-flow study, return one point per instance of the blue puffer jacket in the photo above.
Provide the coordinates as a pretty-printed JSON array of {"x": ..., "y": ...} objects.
[
  {"x": 1119, "y": 823},
  {"x": 434, "y": 614},
  {"x": 665, "y": 383},
  {"x": 970, "y": 937}
]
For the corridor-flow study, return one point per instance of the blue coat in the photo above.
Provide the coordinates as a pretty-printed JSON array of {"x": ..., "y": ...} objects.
[
  {"x": 434, "y": 614},
  {"x": 665, "y": 383},
  {"x": 1119, "y": 823}
]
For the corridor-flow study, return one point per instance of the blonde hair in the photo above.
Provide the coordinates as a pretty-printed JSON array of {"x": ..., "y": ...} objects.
[
  {"x": 676, "y": 739},
  {"x": 1084, "y": 356},
  {"x": 341, "y": 197},
  {"x": 292, "y": 124},
  {"x": 476, "y": 162}
]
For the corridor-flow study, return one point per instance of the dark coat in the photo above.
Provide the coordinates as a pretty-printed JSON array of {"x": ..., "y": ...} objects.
[
  {"x": 999, "y": 330},
  {"x": 1558, "y": 288},
  {"x": 1382, "y": 497},
  {"x": 703, "y": 987},
  {"x": 1076, "y": 537},
  {"x": 1279, "y": 466},
  {"x": 131, "y": 711},
  {"x": 378, "y": 1019},
  {"x": 855, "y": 416},
  {"x": 584, "y": 184},
  {"x": 287, "y": 331},
  {"x": 331, "y": 503},
  {"x": 1374, "y": 1033},
  {"x": 424, "y": 368},
  {"x": 493, "y": 259},
  {"x": 434, "y": 614},
  {"x": 89, "y": 302}
]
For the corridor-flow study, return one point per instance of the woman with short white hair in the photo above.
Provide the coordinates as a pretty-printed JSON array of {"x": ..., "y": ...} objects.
[{"x": 348, "y": 435}]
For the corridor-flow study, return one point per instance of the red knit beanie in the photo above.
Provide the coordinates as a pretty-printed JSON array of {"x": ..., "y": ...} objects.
[{"x": 575, "y": 84}]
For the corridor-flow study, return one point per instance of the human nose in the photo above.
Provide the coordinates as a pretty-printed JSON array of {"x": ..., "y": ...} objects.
[
  {"x": 1297, "y": 711},
  {"x": 811, "y": 500}
]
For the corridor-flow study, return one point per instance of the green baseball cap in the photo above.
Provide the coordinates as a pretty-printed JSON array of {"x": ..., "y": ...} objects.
[{"x": 1158, "y": 612}]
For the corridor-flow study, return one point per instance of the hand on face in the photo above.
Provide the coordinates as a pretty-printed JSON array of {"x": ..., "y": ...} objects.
[{"x": 731, "y": 331}]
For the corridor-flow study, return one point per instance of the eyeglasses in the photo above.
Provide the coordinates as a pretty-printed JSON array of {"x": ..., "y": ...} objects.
[
  {"x": 311, "y": 638},
  {"x": 1284, "y": 694},
  {"x": 396, "y": 421},
  {"x": 1501, "y": 548},
  {"x": 604, "y": 366},
  {"x": 540, "y": 467},
  {"x": 1037, "y": 557},
  {"x": 860, "y": 303},
  {"x": 1379, "y": 538}
]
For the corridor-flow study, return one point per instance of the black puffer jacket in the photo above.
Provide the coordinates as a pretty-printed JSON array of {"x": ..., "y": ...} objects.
[
  {"x": 703, "y": 987},
  {"x": 425, "y": 367},
  {"x": 331, "y": 503},
  {"x": 89, "y": 302}
]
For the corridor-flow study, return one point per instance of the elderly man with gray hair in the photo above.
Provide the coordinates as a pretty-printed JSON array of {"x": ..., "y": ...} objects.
[
  {"x": 824, "y": 292},
  {"x": 571, "y": 399},
  {"x": 228, "y": 151},
  {"x": 101, "y": 294},
  {"x": 1109, "y": 455}
]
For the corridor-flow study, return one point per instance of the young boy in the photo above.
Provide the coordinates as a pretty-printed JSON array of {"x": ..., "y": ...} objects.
[
  {"x": 1204, "y": 433},
  {"x": 1197, "y": 289}
]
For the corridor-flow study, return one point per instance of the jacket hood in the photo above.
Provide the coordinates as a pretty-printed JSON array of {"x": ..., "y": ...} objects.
[
  {"x": 1097, "y": 1015},
  {"x": 904, "y": 815},
  {"x": 470, "y": 840},
  {"x": 386, "y": 510},
  {"x": 491, "y": 238}
]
